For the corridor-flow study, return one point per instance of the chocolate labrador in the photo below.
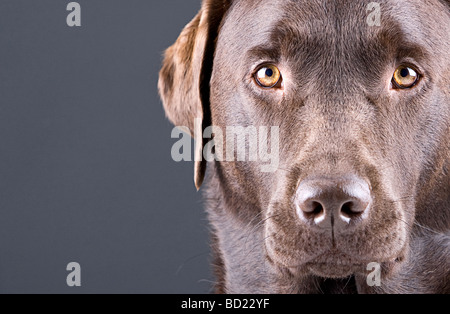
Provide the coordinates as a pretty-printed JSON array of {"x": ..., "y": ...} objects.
[{"x": 363, "y": 110}]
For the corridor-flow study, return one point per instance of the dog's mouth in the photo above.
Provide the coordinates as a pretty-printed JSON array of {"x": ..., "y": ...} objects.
[{"x": 335, "y": 264}]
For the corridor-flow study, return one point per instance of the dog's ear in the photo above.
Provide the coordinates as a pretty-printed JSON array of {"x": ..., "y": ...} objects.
[{"x": 185, "y": 75}]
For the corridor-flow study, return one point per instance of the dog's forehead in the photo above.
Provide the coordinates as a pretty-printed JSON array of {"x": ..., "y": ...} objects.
[{"x": 259, "y": 23}]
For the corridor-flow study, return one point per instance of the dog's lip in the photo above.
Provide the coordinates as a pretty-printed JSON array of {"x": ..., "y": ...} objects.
[
  {"x": 330, "y": 257},
  {"x": 335, "y": 264},
  {"x": 340, "y": 258},
  {"x": 334, "y": 257}
]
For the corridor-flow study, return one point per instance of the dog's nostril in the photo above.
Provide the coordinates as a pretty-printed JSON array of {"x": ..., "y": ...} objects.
[
  {"x": 317, "y": 208},
  {"x": 347, "y": 210},
  {"x": 313, "y": 210},
  {"x": 352, "y": 209}
]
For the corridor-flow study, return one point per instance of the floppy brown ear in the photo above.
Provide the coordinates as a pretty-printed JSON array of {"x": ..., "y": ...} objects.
[{"x": 186, "y": 72}]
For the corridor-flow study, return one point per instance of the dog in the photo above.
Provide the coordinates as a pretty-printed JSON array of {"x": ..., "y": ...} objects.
[{"x": 362, "y": 189}]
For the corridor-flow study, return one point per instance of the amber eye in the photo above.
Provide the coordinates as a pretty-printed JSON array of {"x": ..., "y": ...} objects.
[
  {"x": 268, "y": 76},
  {"x": 405, "y": 77}
]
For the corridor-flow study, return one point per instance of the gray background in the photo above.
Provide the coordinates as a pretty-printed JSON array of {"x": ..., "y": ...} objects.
[{"x": 85, "y": 168}]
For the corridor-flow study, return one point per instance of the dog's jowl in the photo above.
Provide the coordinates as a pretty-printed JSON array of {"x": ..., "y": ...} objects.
[{"x": 359, "y": 200}]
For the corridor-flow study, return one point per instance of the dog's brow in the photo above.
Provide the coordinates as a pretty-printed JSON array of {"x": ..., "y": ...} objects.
[
  {"x": 263, "y": 53},
  {"x": 402, "y": 43},
  {"x": 411, "y": 50}
]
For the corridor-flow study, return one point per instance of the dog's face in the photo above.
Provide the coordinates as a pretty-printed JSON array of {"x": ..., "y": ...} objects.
[{"x": 363, "y": 113}]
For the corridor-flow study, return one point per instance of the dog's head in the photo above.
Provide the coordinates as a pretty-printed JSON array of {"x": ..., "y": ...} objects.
[{"x": 363, "y": 115}]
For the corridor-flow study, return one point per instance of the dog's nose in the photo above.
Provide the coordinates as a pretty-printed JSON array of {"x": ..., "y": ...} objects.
[{"x": 336, "y": 203}]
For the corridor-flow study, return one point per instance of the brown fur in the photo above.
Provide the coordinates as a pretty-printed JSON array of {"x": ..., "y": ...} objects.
[{"x": 337, "y": 116}]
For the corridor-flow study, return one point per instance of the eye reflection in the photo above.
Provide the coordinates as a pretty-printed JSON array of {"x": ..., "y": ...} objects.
[
  {"x": 268, "y": 76},
  {"x": 405, "y": 77}
]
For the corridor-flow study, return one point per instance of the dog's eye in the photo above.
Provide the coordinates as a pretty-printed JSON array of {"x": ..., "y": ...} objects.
[
  {"x": 405, "y": 77},
  {"x": 268, "y": 76}
]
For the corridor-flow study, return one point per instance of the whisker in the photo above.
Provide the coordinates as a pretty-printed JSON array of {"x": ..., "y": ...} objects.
[
  {"x": 285, "y": 169},
  {"x": 345, "y": 286},
  {"x": 419, "y": 225},
  {"x": 258, "y": 215},
  {"x": 401, "y": 199},
  {"x": 259, "y": 224},
  {"x": 188, "y": 260}
]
